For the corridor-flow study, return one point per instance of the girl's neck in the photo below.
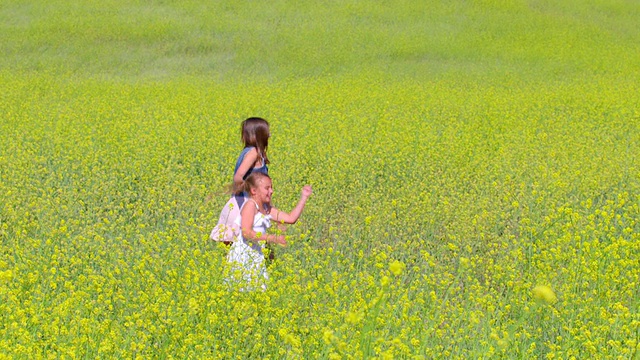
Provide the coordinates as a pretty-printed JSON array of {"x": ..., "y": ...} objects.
[{"x": 259, "y": 203}]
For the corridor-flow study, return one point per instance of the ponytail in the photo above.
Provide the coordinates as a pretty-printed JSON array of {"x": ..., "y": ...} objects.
[{"x": 234, "y": 189}]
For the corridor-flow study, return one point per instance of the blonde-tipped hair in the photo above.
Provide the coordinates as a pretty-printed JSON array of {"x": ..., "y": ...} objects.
[{"x": 252, "y": 181}]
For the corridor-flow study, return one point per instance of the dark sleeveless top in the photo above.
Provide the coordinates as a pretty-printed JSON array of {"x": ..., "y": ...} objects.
[{"x": 263, "y": 169}]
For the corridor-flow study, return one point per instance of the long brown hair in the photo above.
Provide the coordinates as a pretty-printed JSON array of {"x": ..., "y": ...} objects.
[{"x": 255, "y": 132}]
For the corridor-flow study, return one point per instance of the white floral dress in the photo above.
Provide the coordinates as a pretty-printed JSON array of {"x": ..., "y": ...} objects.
[{"x": 246, "y": 257}]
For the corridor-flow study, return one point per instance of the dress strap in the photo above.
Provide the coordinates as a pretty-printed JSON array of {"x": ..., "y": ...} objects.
[{"x": 254, "y": 202}]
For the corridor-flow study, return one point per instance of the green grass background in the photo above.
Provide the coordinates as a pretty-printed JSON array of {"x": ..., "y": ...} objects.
[{"x": 536, "y": 40}]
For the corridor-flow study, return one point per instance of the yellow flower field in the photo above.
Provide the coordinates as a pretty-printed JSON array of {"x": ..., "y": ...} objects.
[{"x": 474, "y": 211}]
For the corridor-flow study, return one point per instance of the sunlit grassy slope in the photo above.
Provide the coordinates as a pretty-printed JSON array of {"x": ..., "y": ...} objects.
[
  {"x": 226, "y": 40},
  {"x": 475, "y": 169}
]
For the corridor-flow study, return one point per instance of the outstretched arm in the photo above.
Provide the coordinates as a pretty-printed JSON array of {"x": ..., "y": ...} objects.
[{"x": 294, "y": 215}]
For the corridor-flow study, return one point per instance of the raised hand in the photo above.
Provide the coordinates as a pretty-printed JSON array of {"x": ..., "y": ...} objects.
[
  {"x": 307, "y": 191},
  {"x": 281, "y": 240}
]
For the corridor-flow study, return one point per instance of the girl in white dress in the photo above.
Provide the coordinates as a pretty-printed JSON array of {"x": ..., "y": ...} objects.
[{"x": 246, "y": 254}]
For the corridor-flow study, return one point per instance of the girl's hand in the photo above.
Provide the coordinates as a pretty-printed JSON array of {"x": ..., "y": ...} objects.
[
  {"x": 306, "y": 191},
  {"x": 280, "y": 240}
]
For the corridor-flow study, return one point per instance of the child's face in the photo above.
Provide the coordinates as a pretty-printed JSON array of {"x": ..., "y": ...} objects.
[{"x": 264, "y": 190}]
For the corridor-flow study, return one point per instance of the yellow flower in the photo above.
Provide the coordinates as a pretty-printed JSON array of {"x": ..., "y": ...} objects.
[
  {"x": 396, "y": 267},
  {"x": 353, "y": 317},
  {"x": 328, "y": 336},
  {"x": 543, "y": 293},
  {"x": 6, "y": 275}
]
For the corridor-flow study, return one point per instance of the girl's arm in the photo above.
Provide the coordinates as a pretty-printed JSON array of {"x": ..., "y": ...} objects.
[
  {"x": 247, "y": 163},
  {"x": 248, "y": 212},
  {"x": 294, "y": 215}
]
